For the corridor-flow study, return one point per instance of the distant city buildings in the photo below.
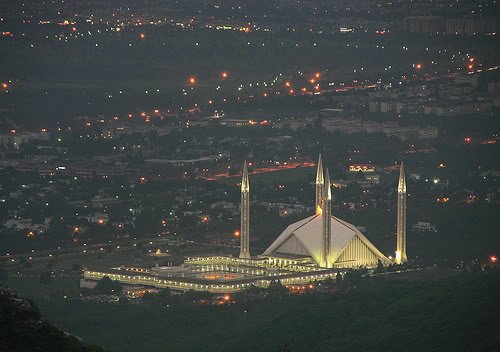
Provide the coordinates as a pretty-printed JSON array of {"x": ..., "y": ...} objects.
[
  {"x": 424, "y": 227},
  {"x": 458, "y": 108},
  {"x": 389, "y": 128},
  {"x": 14, "y": 138},
  {"x": 466, "y": 25}
]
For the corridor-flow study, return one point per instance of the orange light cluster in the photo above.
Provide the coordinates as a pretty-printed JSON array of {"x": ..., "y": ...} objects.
[{"x": 299, "y": 288}]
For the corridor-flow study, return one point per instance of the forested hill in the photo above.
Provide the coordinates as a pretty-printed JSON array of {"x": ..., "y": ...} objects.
[{"x": 22, "y": 329}]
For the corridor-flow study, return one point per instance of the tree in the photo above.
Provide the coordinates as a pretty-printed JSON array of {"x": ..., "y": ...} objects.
[
  {"x": 276, "y": 289},
  {"x": 329, "y": 281},
  {"x": 76, "y": 267},
  {"x": 149, "y": 297},
  {"x": 106, "y": 286},
  {"x": 339, "y": 278},
  {"x": 352, "y": 277},
  {"x": 165, "y": 296},
  {"x": 380, "y": 267}
]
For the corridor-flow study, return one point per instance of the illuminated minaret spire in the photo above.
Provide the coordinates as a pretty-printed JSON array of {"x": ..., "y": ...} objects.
[
  {"x": 401, "y": 256},
  {"x": 327, "y": 220},
  {"x": 320, "y": 181},
  {"x": 245, "y": 215}
]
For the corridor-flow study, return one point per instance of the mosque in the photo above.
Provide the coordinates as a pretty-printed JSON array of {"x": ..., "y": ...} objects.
[{"x": 314, "y": 248}]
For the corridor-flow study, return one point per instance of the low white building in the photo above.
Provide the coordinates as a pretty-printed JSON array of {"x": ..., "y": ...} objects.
[{"x": 424, "y": 227}]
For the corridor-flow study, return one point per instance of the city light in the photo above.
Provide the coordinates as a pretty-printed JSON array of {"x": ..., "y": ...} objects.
[{"x": 177, "y": 172}]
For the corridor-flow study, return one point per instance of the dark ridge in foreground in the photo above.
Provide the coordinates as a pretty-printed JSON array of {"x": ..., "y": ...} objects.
[{"x": 23, "y": 329}]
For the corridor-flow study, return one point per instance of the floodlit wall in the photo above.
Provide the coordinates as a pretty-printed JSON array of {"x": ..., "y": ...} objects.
[
  {"x": 356, "y": 254},
  {"x": 214, "y": 288}
]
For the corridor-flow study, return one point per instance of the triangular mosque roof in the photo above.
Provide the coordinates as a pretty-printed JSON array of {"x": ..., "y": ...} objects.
[{"x": 305, "y": 237}]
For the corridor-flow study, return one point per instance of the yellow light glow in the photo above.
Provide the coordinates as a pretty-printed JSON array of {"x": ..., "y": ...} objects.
[
  {"x": 398, "y": 257},
  {"x": 319, "y": 211}
]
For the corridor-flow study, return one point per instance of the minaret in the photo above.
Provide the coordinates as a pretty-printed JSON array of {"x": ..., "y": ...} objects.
[
  {"x": 401, "y": 224},
  {"x": 320, "y": 181},
  {"x": 245, "y": 215},
  {"x": 327, "y": 220}
]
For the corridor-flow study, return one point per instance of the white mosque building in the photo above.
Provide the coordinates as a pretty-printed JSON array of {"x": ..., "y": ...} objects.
[
  {"x": 329, "y": 241},
  {"x": 314, "y": 248}
]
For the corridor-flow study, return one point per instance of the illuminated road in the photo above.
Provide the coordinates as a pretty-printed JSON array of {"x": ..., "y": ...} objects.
[{"x": 294, "y": 165}]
